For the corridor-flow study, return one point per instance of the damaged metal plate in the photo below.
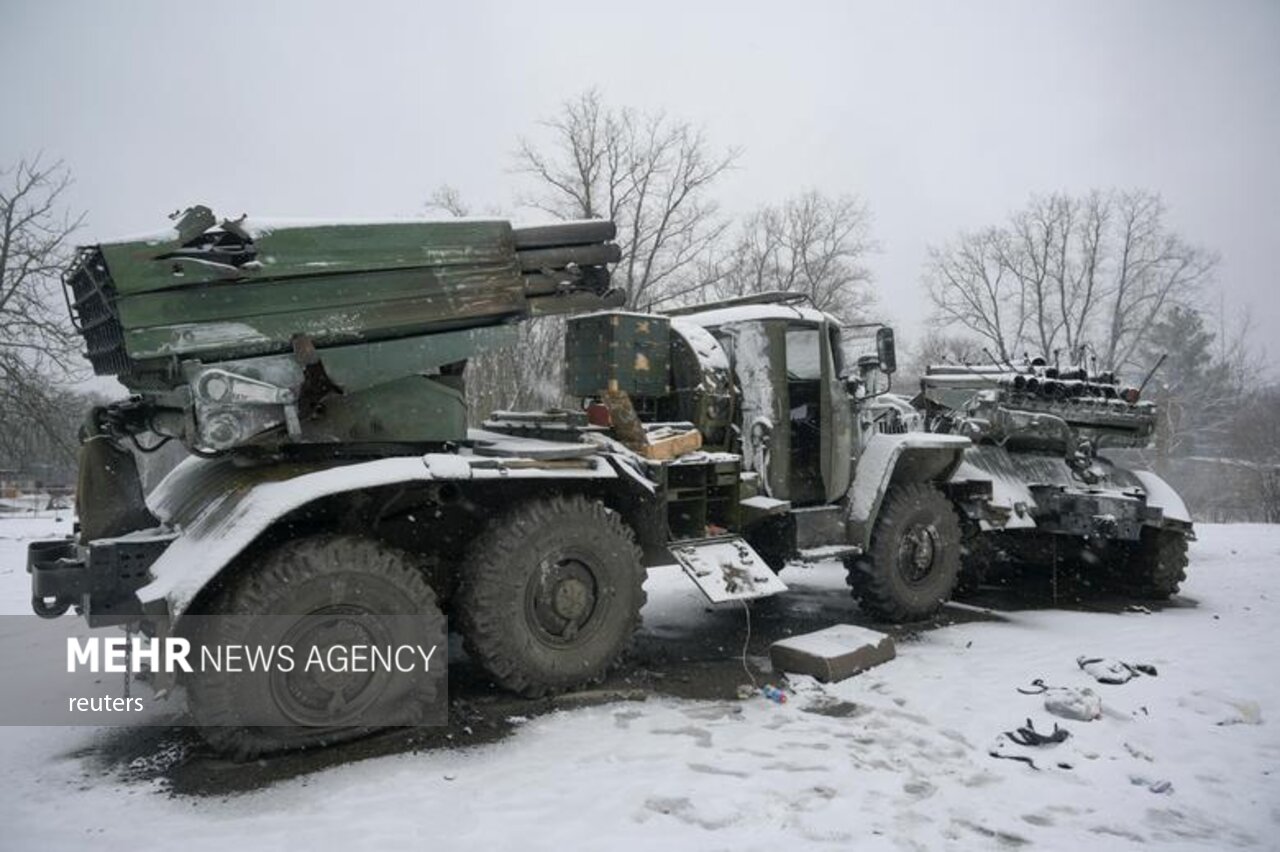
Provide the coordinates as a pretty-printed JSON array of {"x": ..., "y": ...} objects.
[{"x": 726, "y": 569}]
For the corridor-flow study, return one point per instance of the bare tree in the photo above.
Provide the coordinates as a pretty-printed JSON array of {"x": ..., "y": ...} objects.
[
  {"x": 812, "y": 244},
  {"x": 527, "y": 375},
  {"x": 36, "y": 341},
  {"x": 447, "y": 199},
  {"x": 973, "y": 289},
  {"x": 939, "y": 347},
  {"x": 524, "y": 375},
  {"x": 1154, "y": 270},
  {"x": 1255, "y": 441},
  {"x": 1069, "y": 275},
  {"x": 647, "y": 172},
  {"x": 40, "y": 438}
]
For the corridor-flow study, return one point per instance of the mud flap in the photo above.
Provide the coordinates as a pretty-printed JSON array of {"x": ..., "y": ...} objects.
[
  {"x": 726, "y": 568},
  {"x": 109, "y": 498}
]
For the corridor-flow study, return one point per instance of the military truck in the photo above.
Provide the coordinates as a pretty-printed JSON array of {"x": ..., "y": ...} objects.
[{"x": 316, "y": 373}]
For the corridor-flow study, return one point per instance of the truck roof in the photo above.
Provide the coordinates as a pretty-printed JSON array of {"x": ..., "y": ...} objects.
[{"x": 748, "y": 313}]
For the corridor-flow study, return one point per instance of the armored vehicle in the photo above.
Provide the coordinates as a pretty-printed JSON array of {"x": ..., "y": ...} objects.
[
  {"x": 316, "y": 373},
  {"x": 1040, "y": 435}
]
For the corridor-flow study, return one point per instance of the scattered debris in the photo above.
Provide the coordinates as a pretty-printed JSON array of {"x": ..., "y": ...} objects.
[
  {"x": 1037, "y": 688},
  {"x": 1029, "y": 736},
  {"x": 1105, "y": 670},
  {"x": 1160, "y": 787},
  {"x": 834, "y": 707},
  {"x": 833, "y": 654},
  {"x": 1022, "y": 758},
  {"x": 1081, "y": 704}
]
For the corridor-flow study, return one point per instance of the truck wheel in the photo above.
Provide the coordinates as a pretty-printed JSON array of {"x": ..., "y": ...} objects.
[
  {"x": 1156, "y": 564},
  {"x": 314, "y": 592},
  {"x": 911, "y": 567},
  {"x": 551, "y": 595}
]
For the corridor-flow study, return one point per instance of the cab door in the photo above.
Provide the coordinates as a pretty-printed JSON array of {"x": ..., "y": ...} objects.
[
  {"x": 758, "y": 356},
  {"x": 837, "y": 420}
]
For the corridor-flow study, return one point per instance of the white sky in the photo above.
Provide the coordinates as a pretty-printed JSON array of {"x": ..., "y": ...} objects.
[{"x": 942, "y": 116}]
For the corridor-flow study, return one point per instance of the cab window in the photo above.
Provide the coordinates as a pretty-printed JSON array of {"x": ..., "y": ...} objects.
[{"x": 804, "y": 362}]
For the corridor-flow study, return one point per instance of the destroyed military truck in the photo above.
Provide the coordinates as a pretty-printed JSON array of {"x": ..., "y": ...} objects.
[
  {"x": 317, "y": 375},
  {"x": 1040, "y": 433}
]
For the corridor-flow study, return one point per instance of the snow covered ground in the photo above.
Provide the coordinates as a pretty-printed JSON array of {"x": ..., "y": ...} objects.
[{"x": 897, "y": 758}]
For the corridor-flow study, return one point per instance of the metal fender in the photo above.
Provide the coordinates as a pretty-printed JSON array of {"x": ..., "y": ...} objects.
[
  {"x": 888, "y": 458},
  {"x": 1162, "y": 495},
  {"x": 218, "y": 508}
]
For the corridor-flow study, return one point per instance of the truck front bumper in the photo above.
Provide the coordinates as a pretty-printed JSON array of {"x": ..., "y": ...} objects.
[{"x": 100, "y": 579}]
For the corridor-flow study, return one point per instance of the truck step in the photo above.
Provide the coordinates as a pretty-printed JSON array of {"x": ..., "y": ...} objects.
[{"x": 827, "y": 553}]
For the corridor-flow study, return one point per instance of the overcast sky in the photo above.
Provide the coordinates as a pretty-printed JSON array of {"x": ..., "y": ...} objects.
[{"x": 941, "y": 116}]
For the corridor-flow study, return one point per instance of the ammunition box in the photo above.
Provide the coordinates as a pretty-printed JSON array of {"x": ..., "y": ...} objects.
[{"x": 618, "y": 351}]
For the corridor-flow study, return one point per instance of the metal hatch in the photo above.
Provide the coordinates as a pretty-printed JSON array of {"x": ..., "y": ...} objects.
[{"x": 726, "y": 568}]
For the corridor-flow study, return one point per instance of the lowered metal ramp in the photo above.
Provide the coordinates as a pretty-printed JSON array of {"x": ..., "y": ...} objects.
[{"x": 725, "y": 568}]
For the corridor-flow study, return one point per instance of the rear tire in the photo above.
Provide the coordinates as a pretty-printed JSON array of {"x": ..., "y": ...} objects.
[
  {"x": 912, "y": 565},
  {"x": 313, "y": 591},
  {"x": 551, "y": 595}
]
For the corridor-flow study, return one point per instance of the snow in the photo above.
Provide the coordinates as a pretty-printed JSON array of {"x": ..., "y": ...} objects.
[
  {"x": 826, "y": 551},
  {"x": 748, "y": 313},
  {"x": 727, "y": 569},
  {"x": 211, "y": 335},
  {"x": 447, "y": 466},
  {"x": 876, "y": 465},
  {"x": 1161, "y": 494},
  {"x": 759, "y": 406},
  {"x": 261, "y": 226},
  {"x": 895, "y": 758},
  {"x": 222, "y": 527},
  {"x": 710, "y": 352},
  {"x": 1008, "y": 491},
  {"x": 765, "y": 504},
  {"x": 151, "y": 238}
]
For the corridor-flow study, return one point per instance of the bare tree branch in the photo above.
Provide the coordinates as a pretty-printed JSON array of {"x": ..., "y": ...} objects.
[
  {"x": 813, "y": 244},
  {"x": 1069, "y": 275},
  {"x": 37, "y": 344},
  {"x": 447, "y": 199},
  {"x": 648, "y": 173}
]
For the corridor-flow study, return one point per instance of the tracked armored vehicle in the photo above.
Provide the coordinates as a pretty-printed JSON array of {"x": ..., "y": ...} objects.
[{"x": 1041, "y": 435}]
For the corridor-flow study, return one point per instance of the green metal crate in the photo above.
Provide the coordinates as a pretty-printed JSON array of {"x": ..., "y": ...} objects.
[{"x": 618, "y": 351}]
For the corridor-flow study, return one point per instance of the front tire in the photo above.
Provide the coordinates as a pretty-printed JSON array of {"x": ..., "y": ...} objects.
[
  {"x": 912, "y": 564},
  {"x": 551, "y": 595},
  {"x": 323, "y": 591}
]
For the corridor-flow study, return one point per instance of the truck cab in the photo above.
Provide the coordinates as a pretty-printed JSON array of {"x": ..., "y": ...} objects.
[
  {"x": 809, "y": 427},
  {"x": 796, "y": 423}
]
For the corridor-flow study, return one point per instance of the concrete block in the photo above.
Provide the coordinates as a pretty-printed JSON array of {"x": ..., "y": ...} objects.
[{"x": 832, "y": 654}]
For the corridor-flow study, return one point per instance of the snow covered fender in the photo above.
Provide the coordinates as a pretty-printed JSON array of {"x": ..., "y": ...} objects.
[
  {"x": 218, "y": 508},
  {"x": 890, "y": 458},
  {"x": 1161, "y": 495}
]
